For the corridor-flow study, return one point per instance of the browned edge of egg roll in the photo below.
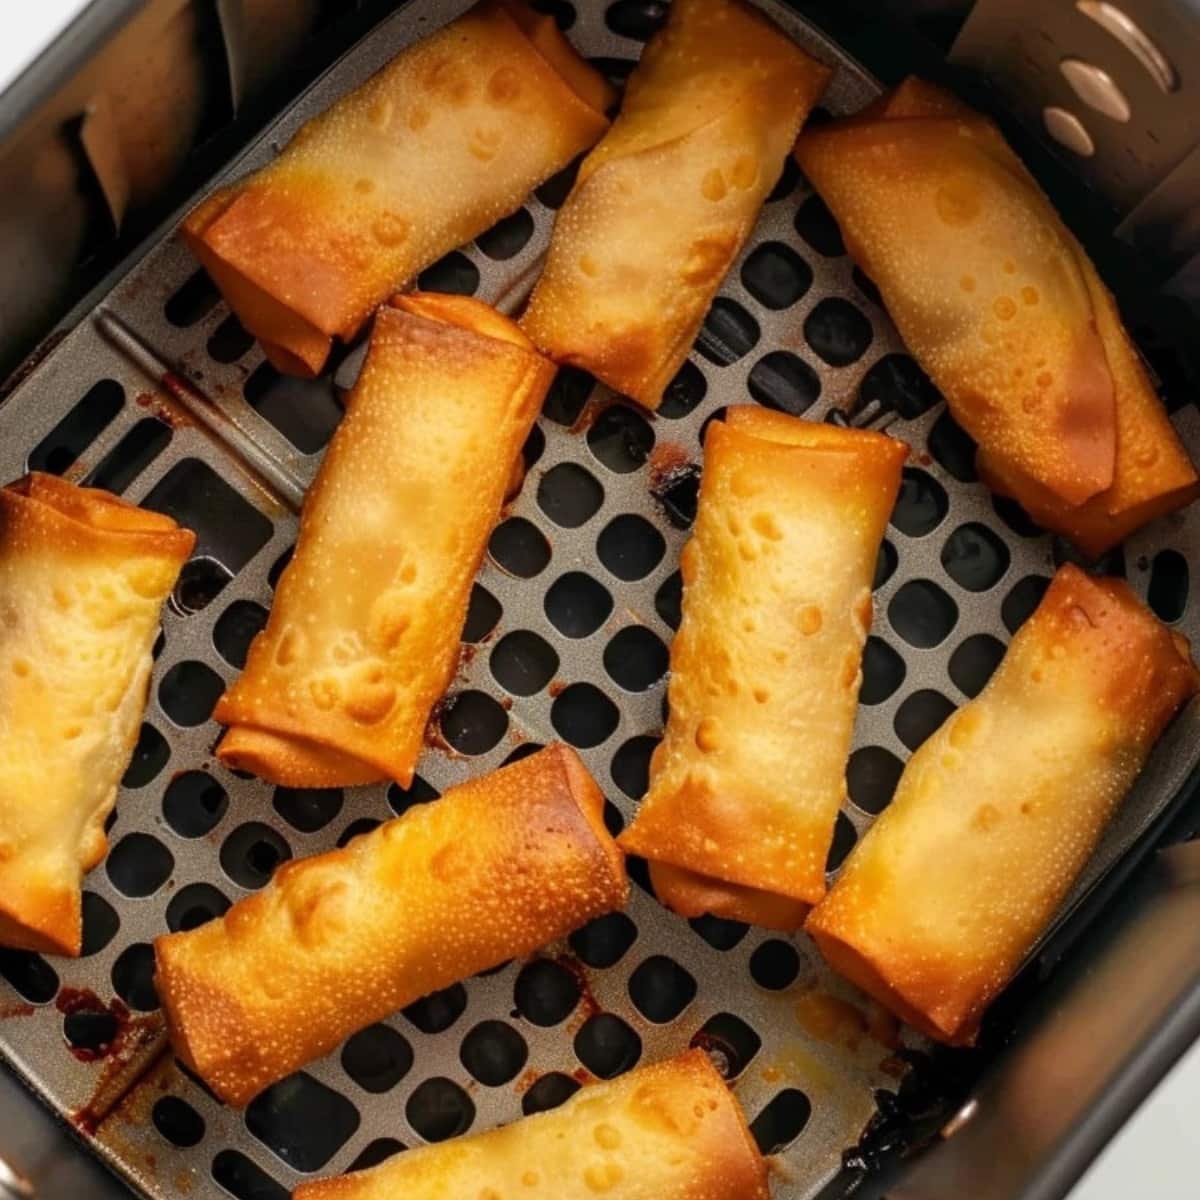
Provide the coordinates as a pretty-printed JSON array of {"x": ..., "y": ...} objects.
[
  {"x": 746, "y": 785},
  {"x": 428, "y": 153},
  {"x": 1005, "y": 311},
  {"x": 1000, "y": 809},
  {"x": 83, "y": 575},
  {"x": 365, "y": 631},
  {"x": 671, "y": 1131},
  {"x": 497, "y": 867},
  {"x": 662, "y": 206}
]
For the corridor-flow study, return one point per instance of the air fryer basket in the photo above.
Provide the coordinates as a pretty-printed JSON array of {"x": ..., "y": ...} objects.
[{"x": 570, "y": 622}]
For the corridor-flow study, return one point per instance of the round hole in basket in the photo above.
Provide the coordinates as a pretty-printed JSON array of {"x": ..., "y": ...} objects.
[
  {"x": 545, "y": 992},
  {"x": 438, "y": 1011},
  {"x": 775, "y": 965},
  {"x": 635, "y": 659},
  {"x": 194, "y": 803},
  {"x": 604, "y": 941},
  {"x": 921, "y": 505},
  {"x": 380, "y": 1150},
  {"x": 661, "y": 989},
  {"x": 569, "y": 495},
  {"x": 577, "y": 605},
  {"x": 250, "y": 854},
  {"x": 548, "y": 1092},
  {"x": 100, "y": 924},
  {"x": 975, "y": 557},
  {"x": 439, "y": 1109},
  {"x": 607, "y": 1045},
  {"x": 494, "y": 1053},
  {"x": 377, "y": 1058},
  {"x": 815, "y": 224},
  {"x": 837, "y": 332},
  {"x": 973, "y": 662},
  {"x": 620, "y": 438},
  {"x": 637, "y": 19},
  {"x": 784, "y": 381},
  {"x": 177, "y": 1121},
  {"x": 523, "y": 662},
  {"x": 775, "y": 275},
  {"x": 472, "y": 721},
  {"x": 132, "y": 977},
  {"x": 684, "y": 393}
]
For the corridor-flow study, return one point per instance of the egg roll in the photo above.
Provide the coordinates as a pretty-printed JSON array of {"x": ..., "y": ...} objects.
[
  {"x": 1004, "y": 310},
  {"x": 83, "y": 576},
  {"x": 765, "y": 669},
  {"x": 434, "y": 149},
  {"x": 364, "y": 634},
  {"x": 998, "y": 812},
  {"x": 672, "y": 1131},
  {"x": 499, "y": 866},
  {"x": 662, "y": 206}
]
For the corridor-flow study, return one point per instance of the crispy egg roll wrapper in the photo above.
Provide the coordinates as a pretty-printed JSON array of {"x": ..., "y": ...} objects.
[
  {"x": 499, "y": 866},
  {"x": 364, "y": 634},
  {"x": 671, "y": 1131},
  {"x": 434, "y": 149},
  {"x": 1004, "y": 310},
  {"x": 662, "y": 206},
  {"x": 998, "y": 812},
  {"x": 765, "y": 669},
  {"x": 83, "y": 575}
]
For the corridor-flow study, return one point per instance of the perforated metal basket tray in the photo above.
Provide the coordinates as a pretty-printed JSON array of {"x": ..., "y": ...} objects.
[{"x": 572, "y": 615}]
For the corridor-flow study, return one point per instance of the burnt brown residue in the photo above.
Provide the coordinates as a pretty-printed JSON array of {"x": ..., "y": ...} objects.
[
  {"x": 126, "y": 1052},
  {"x": 127, "y": 1130},
  {"x": 526, "y": 1080},
  {"x": 582, "y": 1076},
  {"x": 506, "y": 703},
  {"x": 163, "y": 408},
  {"x": 588, "y": 1005},
  {"x": 556, "y": 689},
  {"x": 16, "y": 1010}
]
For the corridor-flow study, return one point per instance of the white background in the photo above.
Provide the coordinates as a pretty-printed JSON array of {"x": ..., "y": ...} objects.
[{"x": 1154, "y": 1154}]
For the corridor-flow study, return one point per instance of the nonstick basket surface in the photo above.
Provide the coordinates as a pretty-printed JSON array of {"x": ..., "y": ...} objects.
[{"x": 567, "y": 638}]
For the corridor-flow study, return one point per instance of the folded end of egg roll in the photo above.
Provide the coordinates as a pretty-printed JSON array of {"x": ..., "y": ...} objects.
[
  {"x": 999, "y": 810},
  {"x": 691, "y": 894},
  {"x": 488, "y": 106},
  {"x": 83, "y": 575},
  {"x": 409, "y": 489},
  {"x": 672, "y": 1130}
]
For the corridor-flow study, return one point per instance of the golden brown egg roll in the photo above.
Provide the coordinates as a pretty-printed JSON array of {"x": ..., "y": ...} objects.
[
  {"x": 364, "y": 634},
  {"x": 1004, "y": 310},
  {"x": 664, "y": 203},
  {"x": 83, "y": 576},
  {"x": 998, "y": 812},
  {"x": 428, "y": 153},
  {"x": 498, "y": 867},
  {"x": 765, "y": 669},
  {"x": 672, "y": 1131}
]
